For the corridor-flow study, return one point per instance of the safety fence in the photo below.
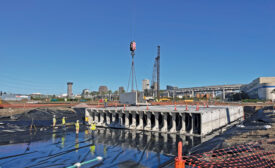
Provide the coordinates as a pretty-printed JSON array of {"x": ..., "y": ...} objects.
[{"x": 256, "y": 154}]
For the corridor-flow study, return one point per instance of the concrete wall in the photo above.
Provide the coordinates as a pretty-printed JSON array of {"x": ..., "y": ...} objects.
[
  {"x": 128, "y": 98},
  {"x": 132, "y": 98},
  {"x": 212, "y": 120}
]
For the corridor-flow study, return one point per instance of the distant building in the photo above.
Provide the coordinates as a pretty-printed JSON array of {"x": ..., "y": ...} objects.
[
  {"x": 14, "y": 97},
  {"x": 63, "y": 95},
  {"x": 145, "y": 84},
  {"x": 39, "y": 96},
  {"x": 103, "y": 89},
  {"x": 70, "y": 89},
  {"x": 86, "y": 93},
  {"x": 261, "y": 88},
  {"x": 121, "y": 90}
]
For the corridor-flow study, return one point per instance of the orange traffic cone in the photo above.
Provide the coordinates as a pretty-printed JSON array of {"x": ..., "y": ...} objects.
[
  {"x": 179, "y": 163},
  {"x": 197, "y": 107}
]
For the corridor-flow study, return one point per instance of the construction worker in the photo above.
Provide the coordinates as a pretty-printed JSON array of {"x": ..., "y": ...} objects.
[
  {"x": 105, "y": 102},
  {"x": 93, "y": 126},
  {"x": 86, "y": 120},
  {"x": 54, "y": 121},
  {"x": 63, "y": 122},
  {"x": 77, "y": 127}
]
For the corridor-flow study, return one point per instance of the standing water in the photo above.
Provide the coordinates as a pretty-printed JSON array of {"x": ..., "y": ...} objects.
[{"x": 119, "y": 148}]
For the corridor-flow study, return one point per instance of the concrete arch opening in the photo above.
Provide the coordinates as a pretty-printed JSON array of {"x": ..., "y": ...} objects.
[
  {"x": 178, "y": 122},
  {"x": 123, "y": 119},
  {"x": 144, "y": 119},
  {"x": 153, "y": 120},
  {"x": 111, "y": 117},
  {"x": 137, "y": 119},
  {"x": 130, "y": 119},
  {"x": 99, "y": 116},
  {"x": 104, "y": 117},
  {"x": 160, "y": 120},
  {"x": 169, "y": 121},
  {"x": 197, "y": 123},
  {"x": 116, "y": 118},
  {"x": 93, "y": 116}
]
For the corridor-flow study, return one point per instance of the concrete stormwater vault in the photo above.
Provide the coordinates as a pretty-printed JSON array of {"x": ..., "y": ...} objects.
[{"x": 166, "y": 119}]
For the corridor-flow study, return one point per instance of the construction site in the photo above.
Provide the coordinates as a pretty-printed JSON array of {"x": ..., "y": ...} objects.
[{"x": 198, "y": 126}]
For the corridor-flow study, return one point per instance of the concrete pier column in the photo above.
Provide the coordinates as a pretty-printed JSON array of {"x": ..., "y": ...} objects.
[
  {"x": 101, "y": 120},
  {"x": 113, "y": 117},
  {"x": 96, "y": 117},
  {"x": 90, "y": 116},
  {"x": 127, "y": 139},
  {"x": 134, "y": 122},
  {"x": 148, "y": 126},
  {"x": 183, "y": 126},
  {"x": 120, "y": 120},
  {"x": 165, "y": 124},
  {"x": 156, "y": 127},
  {"x": 223, "y": 94},
  {"x": 126, "y": 119},
  {"x": 140, "y": 126},
  {"x": 173, "y": 128},
  {"x": 165, "y": 141},
  {"x": 134, "y": 135},
  {"x": 108, "y": 118},
  {"x": 192, "y": 124}
]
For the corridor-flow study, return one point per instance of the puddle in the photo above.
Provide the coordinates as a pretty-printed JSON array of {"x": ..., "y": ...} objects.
[{"x": 119, "y": 148}]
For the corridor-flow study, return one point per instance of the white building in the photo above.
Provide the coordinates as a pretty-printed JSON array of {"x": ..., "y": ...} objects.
[
  {"x": 145, "y": 84},
  {"x": 261, "y": 88}
]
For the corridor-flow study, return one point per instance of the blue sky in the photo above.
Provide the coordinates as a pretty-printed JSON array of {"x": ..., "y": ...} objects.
[{"x": 44, "y": 44}]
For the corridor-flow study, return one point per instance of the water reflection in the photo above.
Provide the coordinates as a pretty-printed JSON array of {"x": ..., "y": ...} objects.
[
  {"x": 63, "y": 141},
  {"x": 76, "y": 143},
  {"x": 149, "y": 141},
  {"x": 119, "y": 148}
]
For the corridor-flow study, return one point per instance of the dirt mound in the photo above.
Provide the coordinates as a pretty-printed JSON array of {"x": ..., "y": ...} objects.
[{"x": 46, "y": 114}]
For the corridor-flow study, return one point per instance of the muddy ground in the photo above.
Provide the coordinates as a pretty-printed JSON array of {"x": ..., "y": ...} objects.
[{"x": 258, "y": 127}]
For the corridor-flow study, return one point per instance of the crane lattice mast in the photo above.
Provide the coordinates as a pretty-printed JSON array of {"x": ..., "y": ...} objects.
[{"x": 132, "y": 76}]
